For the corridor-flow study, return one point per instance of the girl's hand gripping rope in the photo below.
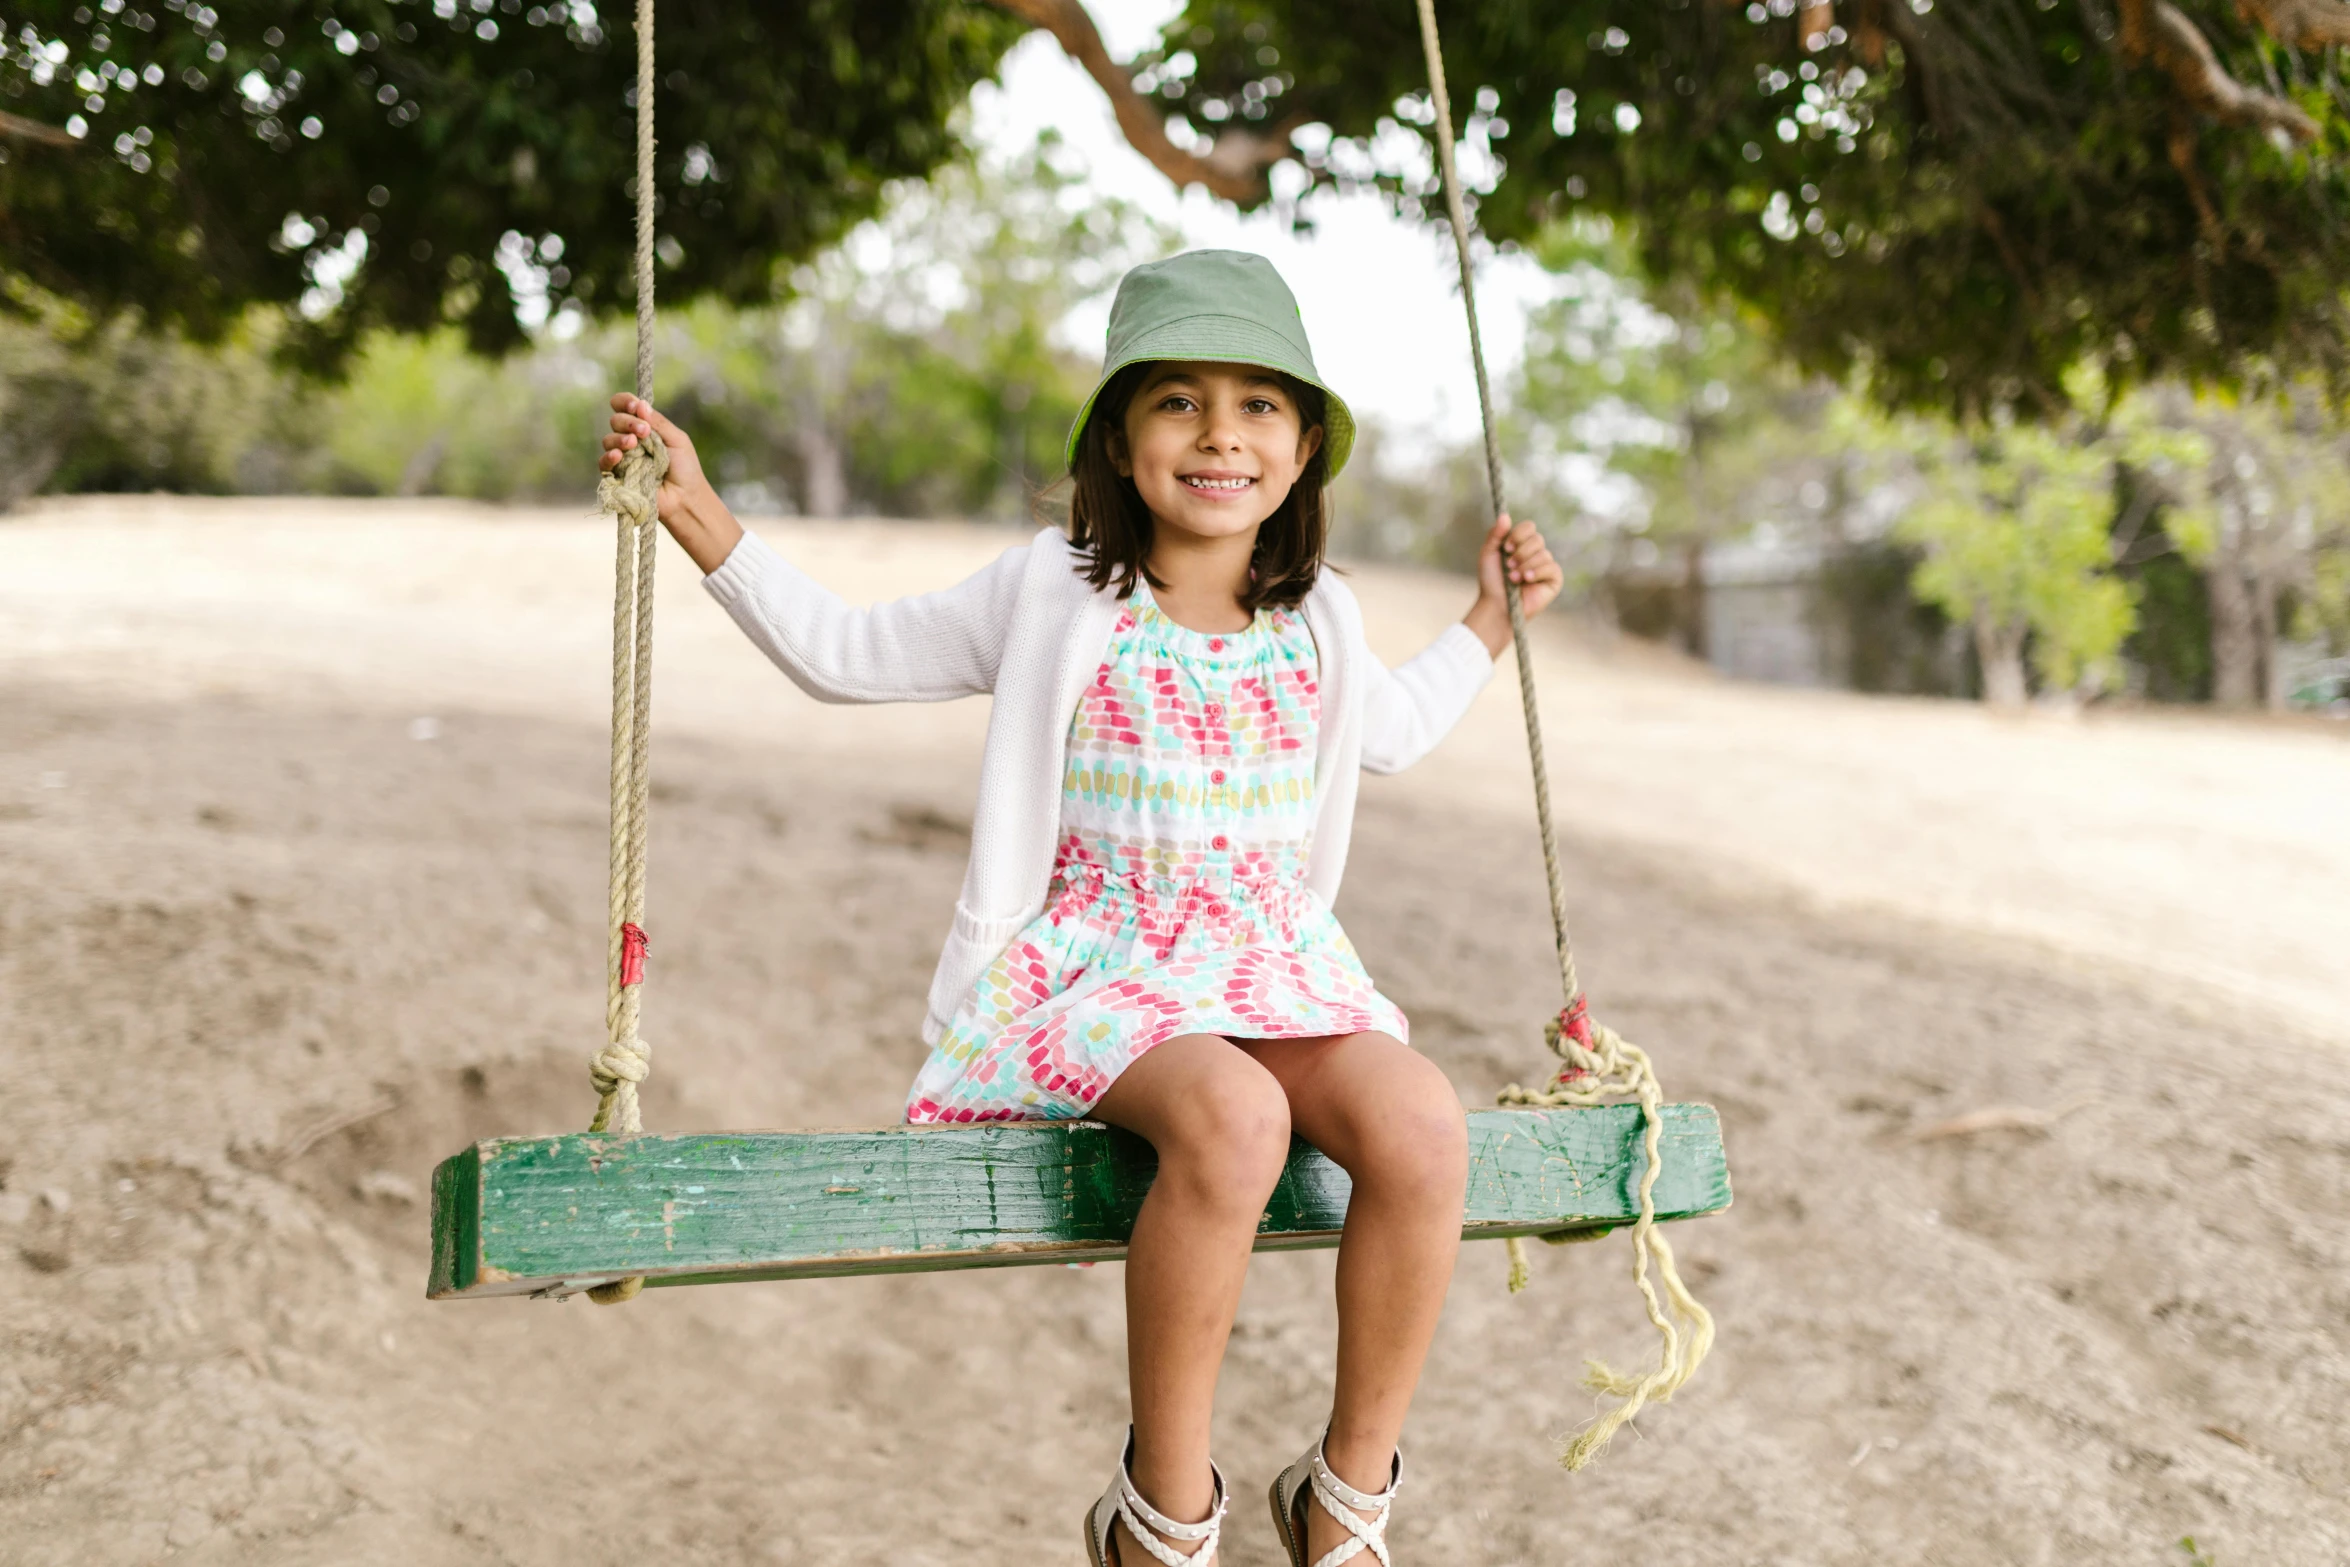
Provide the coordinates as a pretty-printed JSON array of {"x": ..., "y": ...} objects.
[
  {"x": 690, "y": 509},
  {"x": 1513, "y": 552}
]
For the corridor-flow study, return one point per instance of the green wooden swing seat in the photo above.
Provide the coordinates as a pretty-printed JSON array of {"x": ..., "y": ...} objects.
[{"x": 557, "y": 1215}]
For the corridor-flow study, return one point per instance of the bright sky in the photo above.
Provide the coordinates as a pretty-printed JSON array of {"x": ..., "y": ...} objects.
[{"x": 1380, "y": 297}]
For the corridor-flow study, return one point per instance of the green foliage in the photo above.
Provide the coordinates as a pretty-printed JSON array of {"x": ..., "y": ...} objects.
[
  {"x": 2014, "y": 528},
  {"x": 399, "y": 164},
  {"x": 104, "y": 406},
  {"x": 2267, "y": 476},
  {"x": 112, "y": 407},
  {"x": 933, "y": 348},
  {"x": 920, "y": 361},
  {"x": 2171, "y": 643},
  {"x": 1966, "y": 200},
  {"x": 2325, "y": 608},
  {"x": 421, "y": 415},
  {"x": 2257, "y": 498}
]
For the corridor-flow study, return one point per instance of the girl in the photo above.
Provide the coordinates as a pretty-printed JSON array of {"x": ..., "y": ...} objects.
[{"x": 1183, "y": 703}]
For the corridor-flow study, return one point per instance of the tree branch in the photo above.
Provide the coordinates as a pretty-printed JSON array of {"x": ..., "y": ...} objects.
[
  {"x": 2181, "y": 146},
  {"x": 1868, "y": 33},
  {"x": 2011, "y": 257},
  {"x": 1234, "y": 167},
  {"x": 2305, "y": 24},
  {"x": 2160, "y": 34},
  {"x": 17, "y": 128},
  {"x": 1812, "y": 24}
]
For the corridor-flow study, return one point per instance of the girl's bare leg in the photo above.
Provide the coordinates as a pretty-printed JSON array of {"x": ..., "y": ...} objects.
[
  {"x": 1386, "y": 1115},
  {"x": 1220, "y": 1125}
]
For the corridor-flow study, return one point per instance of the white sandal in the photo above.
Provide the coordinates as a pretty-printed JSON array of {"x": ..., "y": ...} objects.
[
  {"x": 1146, "y": 1523},
  {"x": 1339, "y": 1500}
]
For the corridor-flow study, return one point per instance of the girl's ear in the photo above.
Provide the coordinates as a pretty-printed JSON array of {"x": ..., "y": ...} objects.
[
  {"x": 1308, "y": 443},
  {"x": 1120, "y": 458}
]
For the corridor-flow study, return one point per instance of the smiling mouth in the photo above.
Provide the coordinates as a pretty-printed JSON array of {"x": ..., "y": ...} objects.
[{"x": 1214, "y": 486}]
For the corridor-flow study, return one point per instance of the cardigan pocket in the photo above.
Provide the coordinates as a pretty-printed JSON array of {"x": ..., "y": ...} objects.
[
  {"x": 973, "y": 944},
  {"x": 977, "y": 931}
]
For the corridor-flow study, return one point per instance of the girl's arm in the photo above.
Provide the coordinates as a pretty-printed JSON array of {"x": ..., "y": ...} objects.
[
  {"x": 1407, "y": 710},
  {"x": 928, "y": 648}
]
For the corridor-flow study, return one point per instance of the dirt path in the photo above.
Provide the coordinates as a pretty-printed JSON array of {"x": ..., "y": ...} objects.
[{"x": 240, "y": 906}]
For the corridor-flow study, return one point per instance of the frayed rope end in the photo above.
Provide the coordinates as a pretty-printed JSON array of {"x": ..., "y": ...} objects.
[{"x": 1601, "y": 1377}]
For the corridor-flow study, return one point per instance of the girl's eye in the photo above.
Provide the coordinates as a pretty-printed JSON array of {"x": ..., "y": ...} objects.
[
  {"x": 1177, "y": 404},
  {"x": 1261, "y": 405}
]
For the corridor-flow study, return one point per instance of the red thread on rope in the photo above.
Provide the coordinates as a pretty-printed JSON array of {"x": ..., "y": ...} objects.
[
  {"x": 632, "y": 954},
  {"x": 1575, "y": 1021}
]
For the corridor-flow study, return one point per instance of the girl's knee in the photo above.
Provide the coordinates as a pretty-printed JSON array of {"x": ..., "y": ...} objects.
[
  {"x": 1414, "y": 1139},
  {"x": 1232, "y": 1133},
  {"x": 1431, "y": 1153}
]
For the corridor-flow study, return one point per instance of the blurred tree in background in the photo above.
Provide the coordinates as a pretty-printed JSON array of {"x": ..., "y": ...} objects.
[
  {"x": 922, "y": 368},
  {"x": 108, "y": 406},
  {"x": 918, "y": 370},
  {"x": 2014, "y": 523},
  {"x": 2174, "y": 542},
  {"x": 408, "y": 163},
  {"x": 1679, "y": 397},
  {"x": 2263, "y": 512}
]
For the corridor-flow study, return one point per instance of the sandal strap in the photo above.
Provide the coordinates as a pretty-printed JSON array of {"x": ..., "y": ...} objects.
[
  {"x": 1141, "y": 1519},
  {"x": 1339, "y": 1500}
]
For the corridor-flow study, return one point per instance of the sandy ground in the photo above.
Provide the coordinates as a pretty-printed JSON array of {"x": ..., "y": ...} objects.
[{"x": 265, "y": 955}]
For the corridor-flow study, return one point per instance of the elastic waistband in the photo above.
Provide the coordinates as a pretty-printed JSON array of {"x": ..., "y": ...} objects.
[{"x": 1216, "y": 873}]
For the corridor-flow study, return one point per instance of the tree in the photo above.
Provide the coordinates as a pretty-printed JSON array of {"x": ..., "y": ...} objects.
[
  {"x": 2325, "y": 612},
  {"x": 919, "y": 368},
  {"x": 1678, "y": 396},
  {"x": 1008, "y": 253},
  {"x": 399, "y": 163},
  {"x": 2265, "y": 516},
  {"x": 2014, "y": 529},
  {"x": 1966, "y": 200}
]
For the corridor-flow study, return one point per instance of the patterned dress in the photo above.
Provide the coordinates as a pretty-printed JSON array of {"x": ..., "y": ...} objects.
[{"x": 1178, "y": 903}]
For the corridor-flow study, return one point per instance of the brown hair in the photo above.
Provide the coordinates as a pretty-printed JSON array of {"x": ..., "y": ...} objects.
[{"x": 1111, "y": 528}]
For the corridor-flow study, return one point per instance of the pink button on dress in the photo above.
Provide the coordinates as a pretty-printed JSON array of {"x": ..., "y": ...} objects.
[{"x": 1178, "y": 903}]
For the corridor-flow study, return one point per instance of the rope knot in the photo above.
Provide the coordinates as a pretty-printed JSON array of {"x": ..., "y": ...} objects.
[
  {"x": 631, "y": 490},
  {"x": 615, "y": 1071},
  {"x": 622, "y": 1061},
  {"x": 1569, "y": 1036}
]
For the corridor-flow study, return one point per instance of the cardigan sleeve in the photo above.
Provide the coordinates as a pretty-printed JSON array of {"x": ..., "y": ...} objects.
[
  {"x": 1408, "y": 709},
  {"x": 931, "y": 647}
]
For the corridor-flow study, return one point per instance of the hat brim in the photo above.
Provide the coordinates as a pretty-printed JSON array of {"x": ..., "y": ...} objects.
[{"x": 1227, "y": 340}]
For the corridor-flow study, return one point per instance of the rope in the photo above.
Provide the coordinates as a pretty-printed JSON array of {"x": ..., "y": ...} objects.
[
  {"x": 1596, "y": 1064},
  {"x": 628, "y": 494}
]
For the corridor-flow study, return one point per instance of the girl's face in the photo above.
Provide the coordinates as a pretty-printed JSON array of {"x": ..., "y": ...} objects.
[{"x": 1213, "y": 448}]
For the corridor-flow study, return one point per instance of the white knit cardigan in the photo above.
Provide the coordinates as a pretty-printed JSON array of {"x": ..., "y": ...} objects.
[{"x": 1029, "y": 629}]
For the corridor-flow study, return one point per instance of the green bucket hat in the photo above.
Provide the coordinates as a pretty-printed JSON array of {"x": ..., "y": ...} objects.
[{"x": 1223, "y": 306}]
